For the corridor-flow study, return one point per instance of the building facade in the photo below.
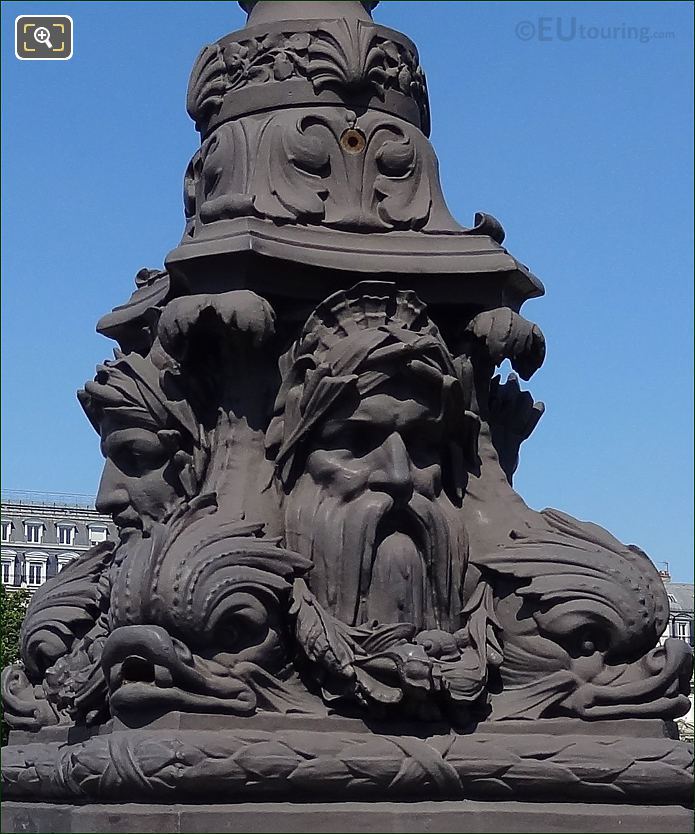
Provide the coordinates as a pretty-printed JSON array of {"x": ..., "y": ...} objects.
[
  {"x": 681, "y": 624},
  {"x": 41, "y": 533},
  {"x": 680, "y": 602}
]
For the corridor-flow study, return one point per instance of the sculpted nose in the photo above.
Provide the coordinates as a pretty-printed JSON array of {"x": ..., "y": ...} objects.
[
  {"x": 111, "y": 497},
  {"x": 394, "y": 475}
]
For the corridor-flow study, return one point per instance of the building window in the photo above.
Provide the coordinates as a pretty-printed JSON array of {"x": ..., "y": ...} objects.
[
  {"x": 8, "y": 562},
  {"x": 33, "y": 532},
  {"x": 7, "y": 531},
  {"x": 35, "y": 573},
  {"x": 66, "y": 533},
  {"x": 682, "y": 629},
  {"x": 98, "y": 533},
  {"x": 64, "y": 559},
  {"x": 671, "y": 598}
]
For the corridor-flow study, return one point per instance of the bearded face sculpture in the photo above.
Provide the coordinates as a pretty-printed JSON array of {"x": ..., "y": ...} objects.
[
  {"x": 373, "y": 441},
  {"x": 370, "y": 448},
  {"x": 387, "y": 544},
  {"x": 146, "y": 440}
]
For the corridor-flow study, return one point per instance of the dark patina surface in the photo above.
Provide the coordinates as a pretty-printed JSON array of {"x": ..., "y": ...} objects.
[{"x": 325, "y": 588}]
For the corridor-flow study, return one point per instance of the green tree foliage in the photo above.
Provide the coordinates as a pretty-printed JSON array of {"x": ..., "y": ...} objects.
[{"x": 13, "y": 607}]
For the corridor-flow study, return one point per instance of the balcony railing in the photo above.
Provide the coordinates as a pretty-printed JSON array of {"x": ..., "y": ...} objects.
[{"x": 47, "y": 499}]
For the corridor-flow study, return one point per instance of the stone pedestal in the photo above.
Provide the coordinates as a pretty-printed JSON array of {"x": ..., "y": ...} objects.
[
  {"x": 378, "y": 817},
  {"x": 341, "y": 774}
]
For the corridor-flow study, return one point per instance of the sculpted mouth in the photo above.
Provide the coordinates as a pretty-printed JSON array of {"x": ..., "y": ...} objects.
[
  {"x": 145, "y": 667},
  {"x": 137, "y": 669},
  {"x": 649, "y": 688},
  {"x": 400, "y": 520},
  {"x": 136, "y": 654}
]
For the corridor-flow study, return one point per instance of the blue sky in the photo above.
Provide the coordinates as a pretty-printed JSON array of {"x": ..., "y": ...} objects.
[{"x": 579, "y": 144}]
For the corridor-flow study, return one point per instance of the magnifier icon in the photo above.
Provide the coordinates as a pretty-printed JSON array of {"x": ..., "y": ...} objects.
[{"x": 42, "y": 35}]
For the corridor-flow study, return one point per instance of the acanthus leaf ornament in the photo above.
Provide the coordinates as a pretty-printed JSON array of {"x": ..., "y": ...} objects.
[{"x": 343, "y": 55}]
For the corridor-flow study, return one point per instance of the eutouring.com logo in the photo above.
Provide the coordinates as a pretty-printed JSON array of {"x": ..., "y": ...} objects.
[{"x": 558, "y": 29}]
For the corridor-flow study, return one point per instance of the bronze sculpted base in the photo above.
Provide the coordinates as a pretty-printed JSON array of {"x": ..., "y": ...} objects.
[{"x": 325, "y": 588}]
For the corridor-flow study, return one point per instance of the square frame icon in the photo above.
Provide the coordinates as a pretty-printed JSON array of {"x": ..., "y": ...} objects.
[{"x": 56, "y": 43}]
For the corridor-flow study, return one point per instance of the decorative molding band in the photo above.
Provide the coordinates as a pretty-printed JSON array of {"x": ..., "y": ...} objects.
[
  {"x": 440, "y": 267},
  {"x": 347, "y": 61},
  {"x": 247, "y": 765}
]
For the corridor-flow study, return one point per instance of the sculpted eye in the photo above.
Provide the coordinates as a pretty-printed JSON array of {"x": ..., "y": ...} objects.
[
  {"x": 361, "y": 440},
  {"x": 587, "y": 641},
  {"x": 357, "y": 440},
  {"x": 128, "y": 461},
  {"x": 588, "y": 646},
  {"x": 135, "y": 458},
  {"x": 425, "y": 444}
]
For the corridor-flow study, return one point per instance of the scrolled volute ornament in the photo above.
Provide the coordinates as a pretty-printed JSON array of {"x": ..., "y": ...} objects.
[{"x": 581, "y": 615}]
